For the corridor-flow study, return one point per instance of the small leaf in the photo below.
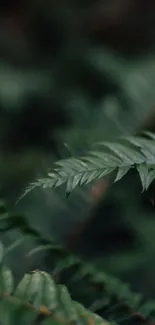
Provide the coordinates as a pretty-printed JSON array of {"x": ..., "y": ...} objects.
[
  {"x": 150, "y": 178},
  {"x": 23, "y": 287},
  {"x": 84, "y": 178},
  {"x": 122, "y": 152},
  {"x": 35, "y": 289},
  {"x": 149, "y": 146},
  {"x": 143, "y": 173},
  {"x": 75, "y": 182},
  {"x": 122, "y": 171},
  {"x": 107, "y": 159},
  {"x": 88, "y": 177},
  {"x": 39, "y": 289},
  {"x": 50, "y": 292},
  {"x": 95, "y": 174},
  {"x": 43, "y": 248},
  {"x": 149, "y": 134},
  {"x": 69, "y": 186},
  {"x": 68, "y": 305},
  {"x": 94, "y": 163}
]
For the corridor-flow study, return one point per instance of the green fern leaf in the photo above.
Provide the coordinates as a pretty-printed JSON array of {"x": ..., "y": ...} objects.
[
  {"x": 147, "y": 147},
  {"x": 128, "y": 152},
  {"x": 150, "y": 178},
  {"x": 122, "y": 171},
  {"x": 143, "y": 173},
  {"x": 127, "y": 155},
  {"x": 107, "y": 159},
  {"x": 149, "y": 134}
]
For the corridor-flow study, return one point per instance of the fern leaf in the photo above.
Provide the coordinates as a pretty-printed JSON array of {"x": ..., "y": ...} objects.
[
  {"x": 121, "y": 173},
  {"x": 143, "y": 173},
  {"x": 127, "y": 155},
  {"x": 150, "y": 178},
  {"x": 107, "y": 159},
  {"x": 149, "y": 134},
  {"x": 128, "y": 152}
]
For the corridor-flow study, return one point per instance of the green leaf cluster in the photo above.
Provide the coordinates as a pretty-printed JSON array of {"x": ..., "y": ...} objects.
[
  {"x": 38, "y": 298},
  {"x": 44, "y": 298}
]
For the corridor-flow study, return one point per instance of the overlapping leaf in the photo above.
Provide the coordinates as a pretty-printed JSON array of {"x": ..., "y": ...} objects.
[{"x": 38, "y": 298}]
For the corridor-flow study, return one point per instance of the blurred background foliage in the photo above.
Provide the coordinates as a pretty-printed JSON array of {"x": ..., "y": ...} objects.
[{"x": 72, "y": 73}]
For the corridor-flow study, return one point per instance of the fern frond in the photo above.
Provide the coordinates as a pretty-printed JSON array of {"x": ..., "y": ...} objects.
[{"x": 118, "y": 157}]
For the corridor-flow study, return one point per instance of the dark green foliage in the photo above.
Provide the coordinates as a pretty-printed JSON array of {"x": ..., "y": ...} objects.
[{"x": 37, "y": 296}]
